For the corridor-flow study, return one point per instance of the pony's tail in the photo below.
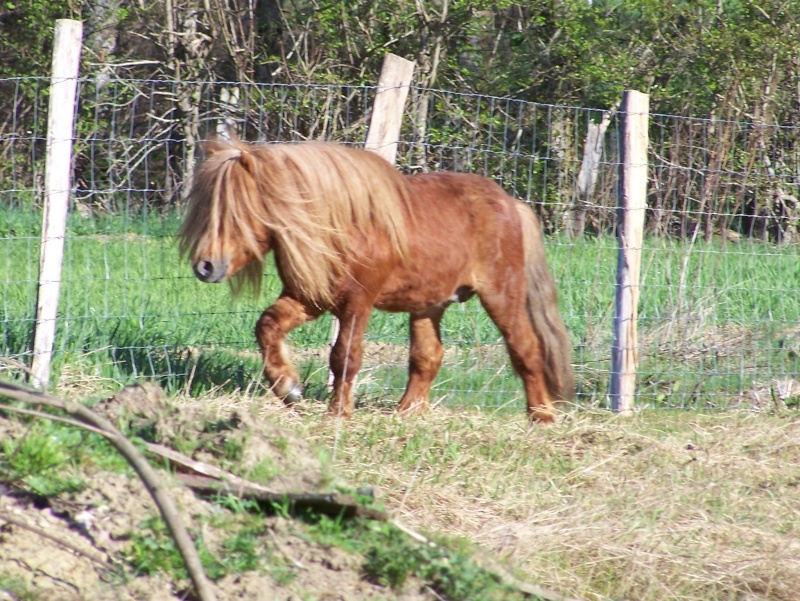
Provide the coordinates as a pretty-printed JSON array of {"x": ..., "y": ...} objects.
[{"x": 542, "y": 304}]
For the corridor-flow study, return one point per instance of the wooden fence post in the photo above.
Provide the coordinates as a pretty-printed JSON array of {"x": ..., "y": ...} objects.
[
  {"x": 631, "y": 205},
  {"x": 394, "y": 82},
  {"x": 383, "y": 133},
  {"x": 57, "y": 185}
]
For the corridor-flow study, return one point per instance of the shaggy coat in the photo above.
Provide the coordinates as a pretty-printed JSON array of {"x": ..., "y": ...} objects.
[{"x": 350, "y": 233}]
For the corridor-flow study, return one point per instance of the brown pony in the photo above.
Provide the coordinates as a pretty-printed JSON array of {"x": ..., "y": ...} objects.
[{"x": 350, "y": 233}]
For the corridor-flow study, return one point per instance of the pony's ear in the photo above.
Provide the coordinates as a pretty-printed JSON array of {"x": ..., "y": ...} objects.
[{"x": 247, "y": 160}]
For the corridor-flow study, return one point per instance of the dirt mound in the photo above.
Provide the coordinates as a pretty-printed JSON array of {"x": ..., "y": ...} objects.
[{"x": 104, "y": 540}]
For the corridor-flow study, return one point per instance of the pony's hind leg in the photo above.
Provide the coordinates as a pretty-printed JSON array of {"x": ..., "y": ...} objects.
[
  {"x": 271, "y": 329},
  {"x": 507, "y": 309},
  {"x": 424, "y": 361}
]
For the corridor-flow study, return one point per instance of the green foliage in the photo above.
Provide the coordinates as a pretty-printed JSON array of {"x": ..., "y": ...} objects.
[
  {"x": 263, "y": 471},
  {"x": 151, "y": 550},
  {"x": 39, "y": 461},
  {"x": 391, "y": 558},
  {"x": 390, "y": 564},
  {"x": 687, "y": 54},
  {"x": 26, "y": 35},
  {"x": 46, "y": 456},
  {"x": 19, "y": 590}
]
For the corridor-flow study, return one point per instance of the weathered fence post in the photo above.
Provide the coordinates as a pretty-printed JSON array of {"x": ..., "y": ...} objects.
[
  {"x": 631, "y": 204},
  {"x": 383, "y": 133},
  {"x": 57, "y": 185},
  {"x": 394, "y": 82}
]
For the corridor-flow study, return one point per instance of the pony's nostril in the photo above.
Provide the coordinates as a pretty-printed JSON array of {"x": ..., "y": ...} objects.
[{"x": 204, "y": 269}]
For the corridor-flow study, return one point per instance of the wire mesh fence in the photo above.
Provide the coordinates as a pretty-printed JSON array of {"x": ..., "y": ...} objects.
[{"x": 719, "y": 310}]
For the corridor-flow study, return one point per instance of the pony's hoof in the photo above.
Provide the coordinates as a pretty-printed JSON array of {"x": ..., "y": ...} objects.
[
  {"x": 543, "y": 417},
  {"x": 338, "y": 411},
  {"x": 415, "y": 407},
  {"x": 294, "y": 395}
]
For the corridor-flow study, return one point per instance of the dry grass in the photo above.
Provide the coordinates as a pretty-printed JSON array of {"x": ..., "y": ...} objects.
[{"x": 661, "y": 505}]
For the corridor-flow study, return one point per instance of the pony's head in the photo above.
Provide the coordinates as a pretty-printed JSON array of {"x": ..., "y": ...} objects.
[
  {"x": 219, "y": 235},
  {"x": 305, "y": 201}
]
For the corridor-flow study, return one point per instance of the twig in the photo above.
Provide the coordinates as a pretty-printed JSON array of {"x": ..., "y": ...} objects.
[
  {"x": 209, "y": 479},
  {"x": 14, "y": 364},
  {"x": 332, "y": 503},
  {"x": 52, "y": 418},
  {"x": 146, "y": 473},
  {"x": 284, "y": 552},
  {"x": 95, "y": 557}
]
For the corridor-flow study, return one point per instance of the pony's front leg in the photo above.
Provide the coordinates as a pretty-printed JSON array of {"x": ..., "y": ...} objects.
[
  {"x": 346, "y": 359},
  {"x": 271, "y": 329},
  {"x": 425, "y": 359}
]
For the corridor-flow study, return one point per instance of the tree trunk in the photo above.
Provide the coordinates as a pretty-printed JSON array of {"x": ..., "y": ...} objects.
[
  {"x": 102, "y": 24},
  {"x": 427, "y": 65},
  {"x": 587, "y": 176},
  {"x": 561, "y": 137},
  {"x": 187, "y": 45}
]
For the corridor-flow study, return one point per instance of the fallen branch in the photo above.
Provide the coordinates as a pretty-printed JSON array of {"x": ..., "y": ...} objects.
[
  {"x": 208, "y": 479},
  {"x": 53, "y": 418},
  {"x": 146, "y": 473}
]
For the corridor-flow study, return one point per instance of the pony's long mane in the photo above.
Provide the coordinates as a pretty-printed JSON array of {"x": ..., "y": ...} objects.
[{"x": 311, "y": 197}]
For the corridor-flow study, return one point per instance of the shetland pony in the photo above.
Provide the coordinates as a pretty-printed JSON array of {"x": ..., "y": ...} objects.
[{"x": 350, "y": 233}]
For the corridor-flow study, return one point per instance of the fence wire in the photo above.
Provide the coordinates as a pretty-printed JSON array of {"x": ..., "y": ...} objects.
[{"x": 719, "y": 311}]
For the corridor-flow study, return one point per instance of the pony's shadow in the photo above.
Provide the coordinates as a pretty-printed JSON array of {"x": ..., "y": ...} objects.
[
  {"x": 190, "y": 371},
  {"x": 197, "y": 372}
]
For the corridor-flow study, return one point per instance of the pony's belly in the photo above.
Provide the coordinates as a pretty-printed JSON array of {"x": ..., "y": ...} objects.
[{"x": 410, "y": 299}]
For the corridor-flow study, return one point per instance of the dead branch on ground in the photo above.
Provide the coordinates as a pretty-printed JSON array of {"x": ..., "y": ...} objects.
[{"x": 146, "y": 473}]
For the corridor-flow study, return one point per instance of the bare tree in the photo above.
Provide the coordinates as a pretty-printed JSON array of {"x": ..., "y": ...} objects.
[
  {"x": 587, "y": 176},
  {"x": 187, "y": 42}
]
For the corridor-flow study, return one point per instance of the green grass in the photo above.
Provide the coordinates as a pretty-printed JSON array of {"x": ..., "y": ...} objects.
[
  {"x": 48, "y": 460},
  {"x": 18, "y": 590},
  {"x": 716, "y": 322},
  {"x": 151, "y": 550}
]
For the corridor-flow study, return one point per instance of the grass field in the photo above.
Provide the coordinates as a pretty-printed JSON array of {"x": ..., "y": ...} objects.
[
  {"x": 718, "y": 322},
  {"x": 667, "y": 505}
]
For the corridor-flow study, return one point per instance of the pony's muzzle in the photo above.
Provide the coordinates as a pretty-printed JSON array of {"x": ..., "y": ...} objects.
[{"x": 209, "y": 271}]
